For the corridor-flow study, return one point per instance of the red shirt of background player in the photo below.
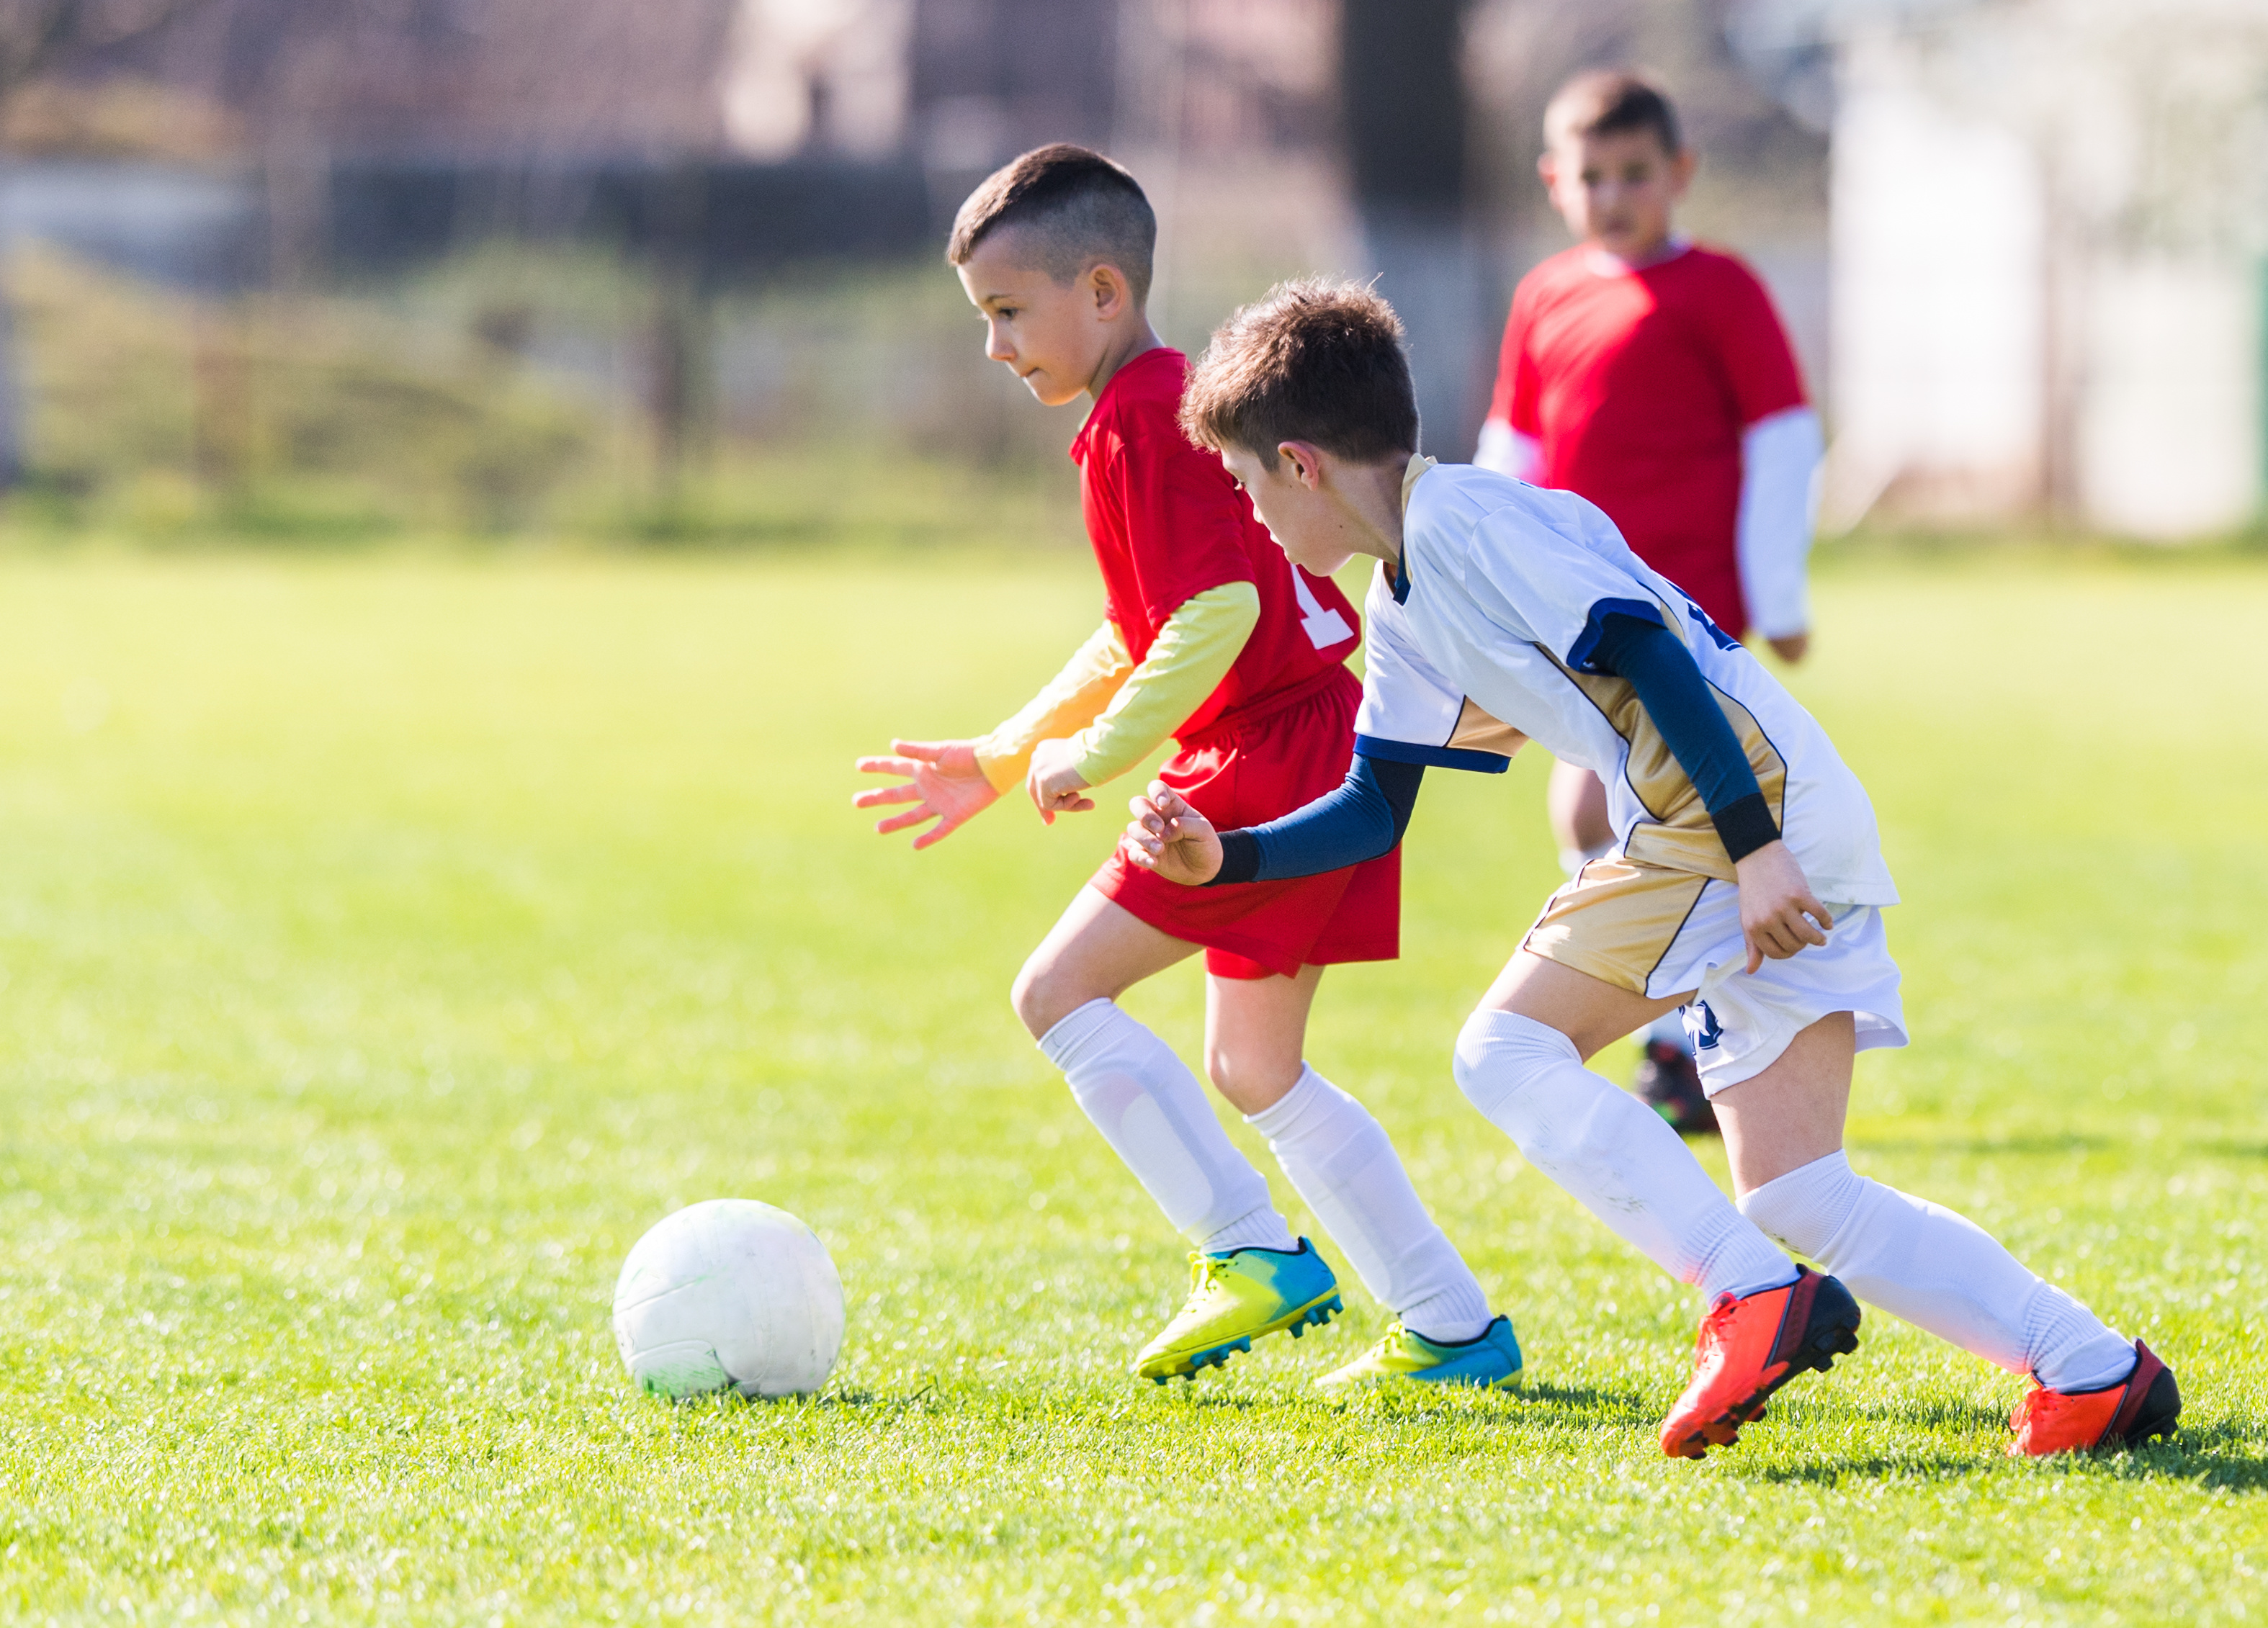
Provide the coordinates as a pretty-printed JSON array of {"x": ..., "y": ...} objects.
[
  {"x": 1167, "y": 523},
  {"x": 1638, "y": 383}
]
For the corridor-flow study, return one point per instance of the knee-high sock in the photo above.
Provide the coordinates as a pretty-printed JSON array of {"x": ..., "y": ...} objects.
[
  {"x": 1938, "y": 1271},
  {"x": 1151, "y": 1109},
  {"x": 1613, "y": 1153},
  {"x": 1339, "y": 1158}
]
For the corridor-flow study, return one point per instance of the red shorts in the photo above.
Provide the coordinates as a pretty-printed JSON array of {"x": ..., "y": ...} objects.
[{"x": 1268, "y": 759}]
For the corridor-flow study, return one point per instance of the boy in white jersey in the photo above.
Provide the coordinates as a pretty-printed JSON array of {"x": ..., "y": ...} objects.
[{"x": 1746, "y": 885}]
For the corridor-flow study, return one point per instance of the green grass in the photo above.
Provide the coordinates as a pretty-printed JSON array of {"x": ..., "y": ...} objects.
[{"x": 384, "y": 942}]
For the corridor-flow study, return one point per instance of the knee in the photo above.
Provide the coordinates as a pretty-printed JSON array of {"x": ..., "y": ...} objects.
[
  {"x": 1498, "y": 1053},
  {"x": 1250, "y": 1077},
  {"x": 1043, "y": 997},
  {"x": 1808, "y": 1208}
]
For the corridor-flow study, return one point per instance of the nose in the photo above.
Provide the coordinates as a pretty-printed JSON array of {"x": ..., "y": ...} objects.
[{"x": 995, "y": 344}]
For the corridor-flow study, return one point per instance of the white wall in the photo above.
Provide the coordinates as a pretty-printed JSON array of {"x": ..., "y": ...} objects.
[
  {"x": 1937, "y": 297},
  {"x": 2169, "y": 427}
]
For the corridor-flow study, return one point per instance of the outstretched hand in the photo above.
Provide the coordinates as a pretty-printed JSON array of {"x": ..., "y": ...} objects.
[
  {"x": 941, "y": 779},
  {"x": 1169, "y": 836},
  {"x": 1779, "y": 914}
]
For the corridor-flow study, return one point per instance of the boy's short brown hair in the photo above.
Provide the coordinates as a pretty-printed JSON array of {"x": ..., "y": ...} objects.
[
  {"x": 1077, "y": 208},
  {"x": 1311, "y": 360},
  {"x": 1608, "y": 100}
]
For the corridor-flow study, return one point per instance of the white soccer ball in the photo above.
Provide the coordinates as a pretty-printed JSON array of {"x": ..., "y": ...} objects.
[{"x": 729, "y": 1294}]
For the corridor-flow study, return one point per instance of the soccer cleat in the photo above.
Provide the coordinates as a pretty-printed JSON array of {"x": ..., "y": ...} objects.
[
  {"x": 1490, "y": 1361},
  {"x": 1750, "y": 1345},
  {"x": 2146, "y": 1403},
  {"x": 1233, "y": 1300},
  {"x": 1667, "y": 1082}
]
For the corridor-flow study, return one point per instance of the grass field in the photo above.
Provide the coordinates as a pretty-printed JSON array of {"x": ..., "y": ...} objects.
[{"x": 386, "y": 943}]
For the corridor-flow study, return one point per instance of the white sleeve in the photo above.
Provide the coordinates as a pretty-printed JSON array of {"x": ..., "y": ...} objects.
[
  {"x": 1549, "y": 568},
  {"x": 1779, "y": 503},
  {"x": 1409, "y": 712},
  {"x": 1506, "y": 450}
]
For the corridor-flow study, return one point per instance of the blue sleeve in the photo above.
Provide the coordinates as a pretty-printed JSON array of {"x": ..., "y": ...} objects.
[
  {"x": 1658, "y": 666},
  {"x": 1364, "y": 817}
]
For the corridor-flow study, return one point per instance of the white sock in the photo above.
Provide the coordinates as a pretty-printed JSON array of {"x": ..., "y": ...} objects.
[
  {"x": 1613, "y": 1153},
  {"x": 1938, "y": 1271},
  {"x": 1151, "y": 1109},
  {"x": 1339, "y": 1158}
]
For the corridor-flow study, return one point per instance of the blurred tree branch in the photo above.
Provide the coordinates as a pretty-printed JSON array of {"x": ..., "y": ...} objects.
[{"x": 37, "y": 37}]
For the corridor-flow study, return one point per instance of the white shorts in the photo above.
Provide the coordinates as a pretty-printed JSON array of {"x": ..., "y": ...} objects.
[
  {"x": 1660, "y": 933},
  {"x": 1741, "y": 1022}
]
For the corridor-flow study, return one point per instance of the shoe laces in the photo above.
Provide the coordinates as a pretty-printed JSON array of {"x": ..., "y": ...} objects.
[
  {"x": 1717, "y": 1324},
  {"x": 1204, "y": 1271}
]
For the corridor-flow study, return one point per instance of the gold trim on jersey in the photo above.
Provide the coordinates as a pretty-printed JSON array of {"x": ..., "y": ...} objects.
[
  {"x": 1678, "y": 834},
  {"x": 1617, "y": 919},
  {"x": 1477, "y": 731}
]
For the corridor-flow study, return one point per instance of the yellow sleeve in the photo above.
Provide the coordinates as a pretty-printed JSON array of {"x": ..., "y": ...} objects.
[
  {"x": 1192, "y": 654},
  {"x": 1073, "y": 698}
]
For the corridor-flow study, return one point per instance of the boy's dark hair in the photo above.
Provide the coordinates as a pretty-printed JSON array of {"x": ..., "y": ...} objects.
[
  {"x": 1312, "y": 360},
  {"x": 1608, "y": 100},
  {"x": 1077, "y": 207}
]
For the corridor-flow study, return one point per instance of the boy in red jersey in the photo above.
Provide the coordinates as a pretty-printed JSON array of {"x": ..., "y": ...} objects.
[
  {"x": 1211, "y": 636},
  {"x": 1652, "y": 375}
]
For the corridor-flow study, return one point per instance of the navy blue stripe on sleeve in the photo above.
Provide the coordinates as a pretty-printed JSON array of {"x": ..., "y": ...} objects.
[
  {"x": 1363, "y": 818},
  {"x": 1583, "y": 656},
  {"x": 1657, "y": 665},
  {"x": 1432, "y": 757}
]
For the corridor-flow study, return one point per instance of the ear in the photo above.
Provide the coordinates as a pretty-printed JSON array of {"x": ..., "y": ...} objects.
[
  {"x": 1307, "y": 461},
  {"x": 1682, "y": 165},
  {"x": 1109, "y": 289}
]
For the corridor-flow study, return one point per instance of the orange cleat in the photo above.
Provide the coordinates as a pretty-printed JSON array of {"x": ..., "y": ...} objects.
[
  {"x": 2144, "y": 1403},
  {"x": 1749, "y": 1347}
]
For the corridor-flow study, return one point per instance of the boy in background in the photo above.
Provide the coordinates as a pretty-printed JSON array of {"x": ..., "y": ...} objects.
[
  {"x": 1210, "y": 635},
  {"x": 1653, "y": 377}
]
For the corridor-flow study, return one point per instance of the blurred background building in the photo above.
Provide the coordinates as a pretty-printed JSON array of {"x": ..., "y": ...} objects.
[{"x": 485, "y": 261}]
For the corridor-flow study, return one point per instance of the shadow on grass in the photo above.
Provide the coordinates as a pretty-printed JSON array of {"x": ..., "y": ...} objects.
[
  {"x": 1872, "y": 1467},
  {"x": 1598, "y": 1404},
  {"x": 2218, "y": 1456},
  {"x": 1938, "y": 1413}
]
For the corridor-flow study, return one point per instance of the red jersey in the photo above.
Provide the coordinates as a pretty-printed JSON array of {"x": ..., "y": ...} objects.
[
  {"x": 1167, "y": 523},
  {"x": 1639, "y": 384}
]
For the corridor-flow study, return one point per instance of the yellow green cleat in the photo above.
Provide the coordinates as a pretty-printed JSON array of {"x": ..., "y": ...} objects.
[
  {"x": 1489, "y": 1359},
  {"x": 1233, "y": 1300}
]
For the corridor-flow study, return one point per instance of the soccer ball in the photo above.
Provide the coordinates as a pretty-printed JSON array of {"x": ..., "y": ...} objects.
[{"x": 729, "y": 1294}]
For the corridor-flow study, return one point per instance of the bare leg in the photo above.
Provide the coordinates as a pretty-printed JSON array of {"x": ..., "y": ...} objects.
[
  {"x": 1793, "y": 1112},
  {"x": 1577, "y": 803},
  {"x": 1592, "y": 1013},
  {"x": 1097, "y": 951},
  {"x": 1255, "y": 1036}
]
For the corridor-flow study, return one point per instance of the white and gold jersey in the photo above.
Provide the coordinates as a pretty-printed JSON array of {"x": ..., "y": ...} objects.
[{"x": 1483, "y": 636}]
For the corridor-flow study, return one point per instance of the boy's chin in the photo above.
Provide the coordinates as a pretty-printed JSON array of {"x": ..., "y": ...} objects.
[
  {"x": 1050, "y": 395},
  {"x": 1327, "y": 564}
]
